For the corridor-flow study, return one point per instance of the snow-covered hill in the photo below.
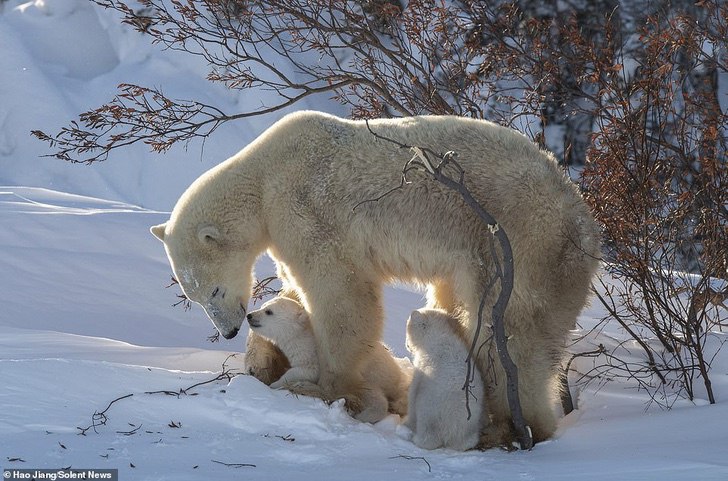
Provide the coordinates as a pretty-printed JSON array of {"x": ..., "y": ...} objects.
[
  {"x": 63, "y": 57},
  {"x": 86, "y": 318}
]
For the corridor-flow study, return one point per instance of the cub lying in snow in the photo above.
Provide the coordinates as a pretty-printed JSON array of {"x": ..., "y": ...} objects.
[
  {"x": 438, "y": 414},
  {"x": 286, "y": 324}
]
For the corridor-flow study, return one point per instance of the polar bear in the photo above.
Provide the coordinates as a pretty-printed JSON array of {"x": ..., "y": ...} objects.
[
  {"x": 300, "y": 191},
  {"x": 285, "y": 323},
  {"x": 441, "y": 413}
]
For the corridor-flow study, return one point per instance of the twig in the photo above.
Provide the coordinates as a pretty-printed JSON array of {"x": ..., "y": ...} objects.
[
  {"x": 183, "y": 300},
  {"x": 648, "y": 352},
  {"x": 168, "y": 393},
  {"x": 235, "y": 465},
  {"x": 567, "y": 402},
  {"x": 130, "y": 433},
  {"x": 262, "y": 289},
  {"x": 99, "y": 418},
  {"x": 288, "y": 437},
  {"x": 404, "y": 456},
  {"x": 225, "y": 375}
]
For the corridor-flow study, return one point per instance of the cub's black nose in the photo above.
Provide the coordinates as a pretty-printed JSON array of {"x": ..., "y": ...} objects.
[{"x": 253, "y": 322}]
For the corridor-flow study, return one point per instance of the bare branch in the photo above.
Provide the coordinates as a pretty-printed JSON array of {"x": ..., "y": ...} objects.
[
  {"x": 404, "y": 456},
  {"x": 100, "y": 418},
  {"x": 235, "y": 465}
]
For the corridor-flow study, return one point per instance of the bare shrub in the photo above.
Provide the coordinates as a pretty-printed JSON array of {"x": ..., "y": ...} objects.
[{"x": 657, "y": 180}]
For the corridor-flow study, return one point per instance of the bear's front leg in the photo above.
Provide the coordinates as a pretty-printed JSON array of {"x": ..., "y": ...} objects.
[{"x": 347, "y": 318}]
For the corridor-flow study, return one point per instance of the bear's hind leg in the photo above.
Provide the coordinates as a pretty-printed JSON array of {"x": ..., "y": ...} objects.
[
  {"x": 464, "y": 440},
  {"x": 535, "y": 388},
  {"x": 376, "y": 406}
]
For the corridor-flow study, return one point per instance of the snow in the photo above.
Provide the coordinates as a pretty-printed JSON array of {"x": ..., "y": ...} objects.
[{"x": 86, "y": 317}]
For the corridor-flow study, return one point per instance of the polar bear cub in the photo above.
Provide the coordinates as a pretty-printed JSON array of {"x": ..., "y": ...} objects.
[
  {"x": 286, "y": 324},
  {"x": 438, "y": 411}
]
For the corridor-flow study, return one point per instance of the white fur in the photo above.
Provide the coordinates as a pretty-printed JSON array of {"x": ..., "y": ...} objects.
[
  {"x": 441, "y": 413},
  {"x": 284, "y": 322},
  {"x": 300, "y": 191}
]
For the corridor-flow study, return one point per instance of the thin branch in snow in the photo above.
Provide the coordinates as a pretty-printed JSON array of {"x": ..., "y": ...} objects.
[
  {"x": 404, "y": 456},
  {"x": 235, "y": 465},
  {"x": 100, "y": 418}
]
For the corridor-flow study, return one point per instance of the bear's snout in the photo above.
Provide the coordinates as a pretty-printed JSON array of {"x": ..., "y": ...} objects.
[
  {"x": 231, "y": 334},
  {"x": 252, "y": 322}
]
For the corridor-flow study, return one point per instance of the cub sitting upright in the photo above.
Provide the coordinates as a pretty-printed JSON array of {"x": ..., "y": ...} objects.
[
  {"x": 285, "y": 323},
  {"x": 441, "y": 413}
]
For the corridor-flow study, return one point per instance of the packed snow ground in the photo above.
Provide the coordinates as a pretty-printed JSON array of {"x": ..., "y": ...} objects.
[{"x": 86, "y": 317}]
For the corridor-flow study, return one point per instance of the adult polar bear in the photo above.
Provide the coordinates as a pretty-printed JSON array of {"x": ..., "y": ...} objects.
[{"x": 293, "y": 191}]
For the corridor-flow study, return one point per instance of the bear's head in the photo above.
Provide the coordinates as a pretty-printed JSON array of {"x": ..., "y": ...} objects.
[
  {"x": 212, "y": 248},
  {"x": 277, "y": 318}
]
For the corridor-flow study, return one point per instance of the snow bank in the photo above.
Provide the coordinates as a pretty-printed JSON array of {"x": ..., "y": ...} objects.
[
  {"x": 85, "y": 312},
  {"x": 63, "y": 57}
]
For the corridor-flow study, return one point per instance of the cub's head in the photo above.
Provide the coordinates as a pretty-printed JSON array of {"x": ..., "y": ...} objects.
[
  {"x": 416, "y": 329},
  {"x": 212, "y": 247},
  {"x": 430, "y": 330},
  {"x": 277, "y": 318},
  {"x": 425, "y": 323}
]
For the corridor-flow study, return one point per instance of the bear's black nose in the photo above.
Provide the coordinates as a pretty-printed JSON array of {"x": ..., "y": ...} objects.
[
  {"x": 249, "y": 316},
  {"x": 231, "y": 334}
]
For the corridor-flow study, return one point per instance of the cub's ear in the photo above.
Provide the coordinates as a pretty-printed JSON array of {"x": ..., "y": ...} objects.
[
  {"x": 158, "y": 231},
  {"x": 416, "y": 316},
  {"x": 302, "y": 317},
  {"x": 208, "y": 233}
]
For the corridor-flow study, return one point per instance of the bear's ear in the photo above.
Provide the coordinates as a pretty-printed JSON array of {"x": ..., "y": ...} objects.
[
  {"x": 208, "y": 234},
  {"x": 416, "y": 316},
  {"x": 158, "y": 231}
]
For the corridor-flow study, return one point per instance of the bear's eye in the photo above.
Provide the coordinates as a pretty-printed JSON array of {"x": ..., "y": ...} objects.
[{"x": 268, "y": 312}]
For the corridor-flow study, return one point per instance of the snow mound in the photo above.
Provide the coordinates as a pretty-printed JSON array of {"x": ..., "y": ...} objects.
[
  {"x": 81, "y": 49},
  {"x": 87, "y": 322}
]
